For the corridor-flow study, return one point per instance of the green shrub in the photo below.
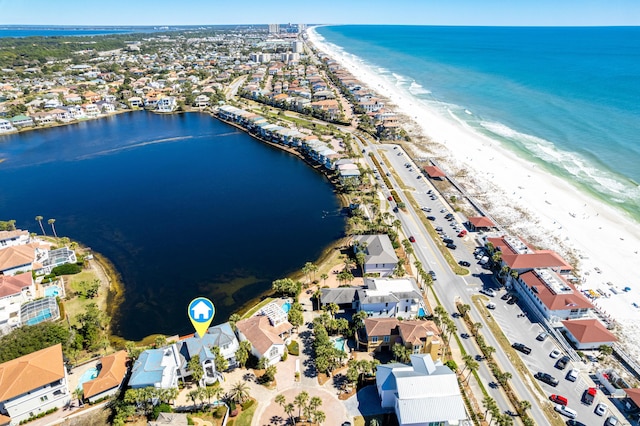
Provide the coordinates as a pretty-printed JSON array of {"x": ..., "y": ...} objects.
[
  {"x": 66, "y": 269},
  {"x": 161, "y": 408},
  {"x": 219, "y": 413},
  {"x": 189, "y": 420},
  {"x": 293, "y": 348},
  {"x": 248, "y": 404}
]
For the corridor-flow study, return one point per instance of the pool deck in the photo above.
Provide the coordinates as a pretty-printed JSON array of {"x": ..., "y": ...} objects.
[{"x": 77, "y": 372}]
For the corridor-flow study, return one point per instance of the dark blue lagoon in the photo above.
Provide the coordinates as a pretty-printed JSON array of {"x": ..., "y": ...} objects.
[{"x": 183, "y": 205}]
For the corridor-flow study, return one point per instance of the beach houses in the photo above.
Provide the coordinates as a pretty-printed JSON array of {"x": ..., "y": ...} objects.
[
  {"x": 391, "y": 298},
  {"x": 17, "y": 237},
  {"x": 423, "y": 393},
  {"x": 418, "y": 336},
  {"x": 113, "y": 370},
  {"x": 33, "y": 384},
  {"x": 158, "y": 368},
  {"x": 380, "y": 257},
  {"x": 588, "y": 333},
  {"x": 6, "y": 126},
  {"x": 223, "y": 337},
  {"x": 14, "y": 291},
  {"x": 190, "y": 347},
  {"x": 166, "y": 104},
  {"x": 268, "y": 332}
]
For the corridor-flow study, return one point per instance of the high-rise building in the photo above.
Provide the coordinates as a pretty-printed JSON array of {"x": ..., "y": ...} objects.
[
  {"x": 297, "y": 47},
  {"x": 274, "y": 28},
  {"x": 302, "y": 27}
]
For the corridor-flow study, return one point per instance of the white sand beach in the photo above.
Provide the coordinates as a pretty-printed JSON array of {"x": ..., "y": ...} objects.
[{"x": 541, "y": 208}]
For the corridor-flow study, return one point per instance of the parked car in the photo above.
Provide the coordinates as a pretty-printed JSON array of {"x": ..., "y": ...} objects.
[
  {"x": 601, "y": 409},
  {"x": 438, "y": 228},
  {"x": 431, "y": 217},
  {"x": 546, "y": 378},
  {"x": 588, "y": 396},
  {"x": 611, "y": 421},
  {"x": 426, "y": 209},
  {"x": 541, "y": 336},
  {"x": 491, "y": 305},
  {"x": 559, "y": 399},
  {"x": 462, "y": 233},
  {"x": 464, "y": 263},
  {"x": 390, "y": 198},
  {"x": 447, "y": 240},
  {"x": 512, "y": 300},
  {"x": 566, "y": 411},
  {"x": 554, "y": 354},
  {"x": 522, "y": 348},
  {"x": 561, "y": 364},
  {"x": 433, "y": 275},
  {"x": 452, "y": 246},
  {"x": 412, "y": 239},
  {"x": 505, "y": 296},
  {"x": 488, "y": 292},
  {"x": 574, "y": 423},
  {"x": 572, "y": 375}
]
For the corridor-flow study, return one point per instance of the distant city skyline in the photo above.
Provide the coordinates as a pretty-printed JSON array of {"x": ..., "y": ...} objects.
[{"x": 409, "y": 12}]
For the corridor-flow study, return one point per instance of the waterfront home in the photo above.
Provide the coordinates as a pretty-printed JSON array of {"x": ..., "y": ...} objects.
[
  {"x": 6, "y": 126},
  {"x": 190, "y": 347},
  {"x": 423, "y": 393},
  {"x": 16, "y": 237},
  {"x": 380, "y": 257},
  {"x": 49, "y": 259},
  {"x": 106, "y": 107},
  {"x": 43, "y": 117},
  {"x": 60, "y": 114},
  {"x": 223, "y": 337},
  {"x": 267, "y": 332},
  {"x": 201, "y": 101},
  {"x": 391, "y": 298},
  {"x": 17, "y": 259},
  {"x": 33, "y": 384},
  {"x": 344, "y": 297},
  {"x": 113, "y": 370},
  {"x": 588, "y": 333},
  {"x": 14, "y": 291},
  {"x": 156, "y": 368},
  {"x": 381, "y": 334},
  {"x": 135, "y": 102},
  {"x": 21, "y": 121},
  {"x": 90, "y": 110}
]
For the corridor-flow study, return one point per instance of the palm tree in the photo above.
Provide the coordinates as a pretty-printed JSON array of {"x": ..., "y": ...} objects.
[
  {"x": 239, "y": 392},
  {"x": 467, "y": 359},
  {"x": 288, "y": 409},
  {"x": 78, "y": 393},
  {"x": 525, "y": 405},
  {"x": 51, "y": 222},
  {"x": 39, "y": 219},
  {"x": 319, "y": 417},
  {"x": 210, "y": 392},
  {"x": 281, "y": 400},
  {"x": 324, "y": 277},
  {"x": 489, "y": 404},
  {"x": 301, "y": 400},
  {"x": 473, "y": 366}
]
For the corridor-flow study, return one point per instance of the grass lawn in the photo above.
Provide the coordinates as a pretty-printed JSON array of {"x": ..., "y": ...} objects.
[
  {"x": 259, "y": 306},
  {"x": 77, "y": 305},
  {"x": 244, "y": 419}
]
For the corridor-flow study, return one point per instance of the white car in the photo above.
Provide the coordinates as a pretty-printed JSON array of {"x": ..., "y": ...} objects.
[
  {"x": 601, "y": 409},
  {"x": 555, "y": 354},
  {"x": 572, "y": 375}
]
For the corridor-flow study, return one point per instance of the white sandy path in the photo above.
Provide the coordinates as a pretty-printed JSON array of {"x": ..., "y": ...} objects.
[{"x": 603, "y": 237}]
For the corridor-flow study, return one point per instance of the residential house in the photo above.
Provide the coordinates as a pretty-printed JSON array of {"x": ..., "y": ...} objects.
[
  {"x": 480, "y": 223},
  {"x": 423, "y": 393},
  {"x": 393, "y": 298},
  {"x": 43, "y": 117},
  {"x": 167, "y": 104},
  {"x": 17, "y": 237},
  {"x": 6, "y": 126},
  {"x": 91, "y": 110},
  {"x": 267, "y": 332},
  {"x": 113, "y": 370},
  {"x": 156, "y": 368},
  {"x": 344, "y": 297},
  {"x": 33, "y": 384},
  {"x": 135, "y": 102},
  {"x": 380, "y": 257},
  {"x": 106, "y": 107},
  {"x": 21, "y": 121},
  {"x": 588, "y": 333},
  {"x": 223, "y": 337},
  {"x": 201, "y": 101},
  {"x": 194, "y": 346},
  {"x": 380, "y": 334},
  {"x": 17, "y": 259},
  {"x": 14, "y": 291}
]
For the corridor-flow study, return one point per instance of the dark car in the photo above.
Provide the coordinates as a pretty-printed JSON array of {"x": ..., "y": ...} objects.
[
  {"x": 574, "y": 423},
  {"x": 449, "y": 215},
  {"x": 561, "y": 364},
  {"x": 438, "y": 228},
  {"x": 395, "y": 209},
  {"x": 452, "y": 246},
  {"x": 390, "y": 198},
  {"x": 546, "y": 378},
  {"x": 505, "y": 296},
  {"x": 431, "y": 217},
  {"x": 447, "y": 241},
  {"x": 413, "y": 240},
  {"x": 433, "y": 275},
  {"x": 464, "y": 263},
  {"x": 512, "y": 300},
  {"x": 522, "y": 348}
]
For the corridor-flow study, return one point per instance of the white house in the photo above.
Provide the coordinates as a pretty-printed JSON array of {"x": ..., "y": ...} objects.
[
  {"x": 6, "y": 126},
  {"x": 189, "y": 348},
  {"x": 33, "y": 384},
  {"x": 266, "y": 332},
  {"x": 167, "y": 104},
  {"x": 223, "y": 337},
  {"x": 14, "y": 291},
  {"x": 380, "y": 257},
  {"x": 391, "y": 298},
  {"x": 13, "y": 238},
  {"x": 156, "y": 368},
  {"x": 421, "y": 394}
]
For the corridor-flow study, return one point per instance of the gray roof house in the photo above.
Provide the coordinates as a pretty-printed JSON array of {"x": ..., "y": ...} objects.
[
  {"x": 223, "y": 337},
  {"x": 344, "y": 297},
  {"x": 422, "y": 393},
  {"x": 380, "y": 257}
]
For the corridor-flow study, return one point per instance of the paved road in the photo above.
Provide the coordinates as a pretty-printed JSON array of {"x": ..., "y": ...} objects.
[{"x": 449, "y": 287}]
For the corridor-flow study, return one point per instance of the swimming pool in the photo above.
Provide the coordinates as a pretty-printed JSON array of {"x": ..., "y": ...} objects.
[
  {"x": 421, "y": 312},
  {"x": 87, "y": 376},
  {"x": 286, "y": 307},
  {"x": 340, "y": 344},
  {"x": 52, "y": 291}
]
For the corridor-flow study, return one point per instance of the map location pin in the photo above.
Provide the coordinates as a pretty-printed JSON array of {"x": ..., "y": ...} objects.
[{"x": 201, "y": 312}]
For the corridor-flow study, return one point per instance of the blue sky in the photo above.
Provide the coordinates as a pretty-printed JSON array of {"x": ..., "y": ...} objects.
[{"x": 417, "y": 12}]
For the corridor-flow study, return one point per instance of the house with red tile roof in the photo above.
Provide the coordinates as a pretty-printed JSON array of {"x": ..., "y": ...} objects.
[
  {"x": 16, "y": 237},
  {"x": 481, "y": 223},
  {"x": 14, "y": 291},
  {"x": 267, "y": 334},
  {"x": 33, "y": 384},
  {"x": 113, "y": 369},
  {"x": 380, "y": 334},
  {"x": 588, "y": 333}
]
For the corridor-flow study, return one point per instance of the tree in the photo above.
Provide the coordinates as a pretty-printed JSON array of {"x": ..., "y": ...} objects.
[
  {"x": 78, "y": 393},
  {"x": 472, "y": 365},
  {"x": 242, "y": 354},
  {"x": 324, "y": 277},
  {"x": 525, "y": 405},
  {"x": 239, "y": 392},
  {"x": 281, "y": 400},
  {"x": 319, "y": 416},
  {"x": 220, "y": 362},
  {"x": 269, "y": 374},
  {"x": 489, "y": 404},
  {"x": 233, "y": 319},
  {"x": 605, "y": 350},
  {"x": 197, "y": 372},
  {"x": 53, "y": 228},
  {"x": 300, "y": 401},
  {"x": 39, "y": 219}
]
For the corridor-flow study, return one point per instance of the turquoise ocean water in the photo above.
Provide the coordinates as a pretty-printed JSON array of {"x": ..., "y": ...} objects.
[{"x": 567, "y": 99}]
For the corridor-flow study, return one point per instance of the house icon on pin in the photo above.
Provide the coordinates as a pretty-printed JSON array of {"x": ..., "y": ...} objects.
[{"x": 201, "y": 311}]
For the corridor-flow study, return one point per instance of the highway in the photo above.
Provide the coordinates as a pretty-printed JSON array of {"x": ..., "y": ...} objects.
[{"x": 449, "y": 287}]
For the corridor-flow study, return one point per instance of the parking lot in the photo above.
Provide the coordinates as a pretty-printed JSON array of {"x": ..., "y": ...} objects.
[{"x": 518, "y": 328}]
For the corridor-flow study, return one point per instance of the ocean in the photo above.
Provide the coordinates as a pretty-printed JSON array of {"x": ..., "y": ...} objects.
[
  {"x": 183, "y": 205},
  {"x": 59, "y": 31},
  {"x": 565, "y": 98}
]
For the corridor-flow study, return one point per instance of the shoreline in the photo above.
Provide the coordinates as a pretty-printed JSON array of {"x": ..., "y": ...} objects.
[{"x": 544, "y": 209}]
